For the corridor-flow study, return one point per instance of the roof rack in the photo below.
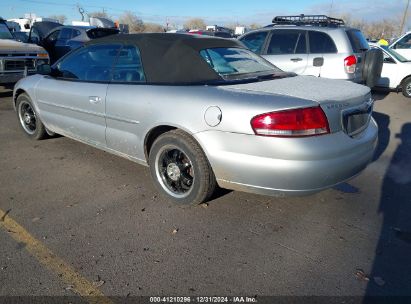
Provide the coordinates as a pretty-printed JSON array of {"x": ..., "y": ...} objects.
[{"x": 319, "y": 20}]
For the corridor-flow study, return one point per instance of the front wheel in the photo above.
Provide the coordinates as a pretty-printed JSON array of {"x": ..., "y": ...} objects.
[
  {"x": 406, "y": 87},
  {"x": 180, "y": 169},
  {"x": 28, "y": 118}
]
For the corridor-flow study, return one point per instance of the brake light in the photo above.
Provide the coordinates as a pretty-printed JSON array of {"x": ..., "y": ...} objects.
[
  {"x": 350, "y": 63},
  {"x": 291, "y": 123}
]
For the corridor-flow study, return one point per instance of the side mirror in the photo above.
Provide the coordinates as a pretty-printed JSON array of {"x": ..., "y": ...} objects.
[
  {"x": 389, "y": 60},
  {"x": 43, "y": 69}
]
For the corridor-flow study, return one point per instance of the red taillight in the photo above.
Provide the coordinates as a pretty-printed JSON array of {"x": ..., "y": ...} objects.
[
  {"x": 290, "y": 123},
  {"x": 350, "y": 63}
]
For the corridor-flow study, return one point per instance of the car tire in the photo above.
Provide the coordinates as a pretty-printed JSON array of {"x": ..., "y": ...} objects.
[
  {"x": 372, "y": 67},
  {"x": 180, "y": 169},
  {"x": 406, "y": 87},
  {"x": 28, "y": 118}
]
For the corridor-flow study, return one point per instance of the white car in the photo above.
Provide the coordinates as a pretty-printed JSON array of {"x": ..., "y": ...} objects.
[
  {"x": 396, "y": 71},
  {"x": 403, "y": 45}
]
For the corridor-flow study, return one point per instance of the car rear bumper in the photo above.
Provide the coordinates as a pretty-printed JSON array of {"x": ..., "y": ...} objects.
[{"x": 287, "y": 166}]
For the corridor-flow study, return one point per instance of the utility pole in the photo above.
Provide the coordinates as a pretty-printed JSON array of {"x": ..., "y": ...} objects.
[
  {"x": 331, "y": 8},
  {"x": 404, "y": 17}
]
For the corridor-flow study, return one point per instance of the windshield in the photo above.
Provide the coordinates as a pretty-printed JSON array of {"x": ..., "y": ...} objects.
[
  {"x": 237, "y": 63},
  {"x": 5, "y": 32},
  {"x": 394, "y": 54}
]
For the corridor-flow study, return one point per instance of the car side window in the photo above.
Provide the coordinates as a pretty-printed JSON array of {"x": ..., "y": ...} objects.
[
  {"x": 129, "y": 67},
  {"x": 65, "y": 34},
  {"x": 287, "y": 42},
  {"x": 93, "y": 63},
  {"x": 75, "y": 33},
  {"x": 321, "y": 43},
  {"x": 404, "y": 43},
  {"x": 255, "y": 41},
  {"x": 53, "y": 36}
]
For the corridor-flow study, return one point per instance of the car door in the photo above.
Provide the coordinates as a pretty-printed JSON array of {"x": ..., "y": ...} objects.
[
  {"x": 49, "y": 43},
  {"x": 72, "y": 100},
  {"x": 61, "y": 45},
  {"x": 126, "y": 107},
  {"x": 287, "y": 49},
  {"x": 403, "y": 46},
  {"x": 323, "y": 58},
  {"x": 389, "y": 74}
]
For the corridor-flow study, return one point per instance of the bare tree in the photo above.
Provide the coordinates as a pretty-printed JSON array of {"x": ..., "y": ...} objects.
[
  {"x": 60, "y": 18},
  {"x": 135, "y": 24},
  {"x": 386, "y": 28},
  {"x": 101, "y": 14},
  {"x": 153, "y": 28},
  {"x": 254, "y": 26},
  {"x": 195, "y": 23}
]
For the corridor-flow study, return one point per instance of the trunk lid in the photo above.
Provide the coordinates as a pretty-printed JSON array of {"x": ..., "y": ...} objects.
[{"x": 347, "y": 105}]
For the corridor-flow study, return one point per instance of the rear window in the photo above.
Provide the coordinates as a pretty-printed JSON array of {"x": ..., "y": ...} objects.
[
  {"x": 358, "y": 42},
  {"x": 235, "y": 62}
]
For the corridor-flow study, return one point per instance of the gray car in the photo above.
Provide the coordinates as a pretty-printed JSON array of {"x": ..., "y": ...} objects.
[
  {"x": 317, "y": 45},
  {"x": 201, "y": 112}
]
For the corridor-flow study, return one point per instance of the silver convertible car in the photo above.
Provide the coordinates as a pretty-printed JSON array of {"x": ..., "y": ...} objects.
[{"x": 202, "y": 112}]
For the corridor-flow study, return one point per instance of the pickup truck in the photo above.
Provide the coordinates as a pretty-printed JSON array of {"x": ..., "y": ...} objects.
[{"x": 17, "y": 58}]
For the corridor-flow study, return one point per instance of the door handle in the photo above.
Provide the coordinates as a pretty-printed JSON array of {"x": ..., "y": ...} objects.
[
  {"x": 296, "y": 59},
  {"x": 94, "y": 99}
]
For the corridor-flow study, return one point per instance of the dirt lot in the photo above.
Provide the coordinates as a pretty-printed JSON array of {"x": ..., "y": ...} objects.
[{"x": 74, "y": 219}]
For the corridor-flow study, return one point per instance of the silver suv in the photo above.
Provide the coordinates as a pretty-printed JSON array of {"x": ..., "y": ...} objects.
[{"x": 317, "y": 45}]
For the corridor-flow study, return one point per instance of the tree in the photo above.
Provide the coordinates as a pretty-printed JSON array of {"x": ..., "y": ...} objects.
[
  {"x": 101, "y": 14},
  {"x": 134, "y": 23},
  {"x": 153, "y": 28},
  {"x": 60, "y": 18},
  {"x": 195, "y": 24},
  {"x": 254, "y": 26}
]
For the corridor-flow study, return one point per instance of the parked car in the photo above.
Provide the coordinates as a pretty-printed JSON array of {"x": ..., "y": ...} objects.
[
  {"x": 17, "y": 58},
  {"x": 59, "y": 39},
  {"x": 396, "y": 71},
  {"x": 202, "y": 110},
  {"x": 317, "y": 45}
]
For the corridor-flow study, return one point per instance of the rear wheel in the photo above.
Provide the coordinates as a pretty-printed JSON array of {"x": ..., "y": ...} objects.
[
  {"x": 406, "y": 87},
  {"x": 28, "y": 118},
  {"x": 180, "y": 169}
]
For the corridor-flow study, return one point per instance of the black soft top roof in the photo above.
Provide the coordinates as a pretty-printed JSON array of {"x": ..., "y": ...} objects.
[
  {"x": 45, "y": 27},
  {"x": 173, "y": 58}
]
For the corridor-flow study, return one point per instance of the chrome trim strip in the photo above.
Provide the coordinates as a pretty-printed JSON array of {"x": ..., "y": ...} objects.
[
  {"x": 126, "y": 120},
  {"x": 72, "y": 109},
  {"x": 130, "y": 121}
]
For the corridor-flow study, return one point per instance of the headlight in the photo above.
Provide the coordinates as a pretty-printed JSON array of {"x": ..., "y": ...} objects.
[{"x": 42, "y": 61}]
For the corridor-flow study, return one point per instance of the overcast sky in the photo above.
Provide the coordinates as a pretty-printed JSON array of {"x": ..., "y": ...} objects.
[{"x": 213, "y": 11}]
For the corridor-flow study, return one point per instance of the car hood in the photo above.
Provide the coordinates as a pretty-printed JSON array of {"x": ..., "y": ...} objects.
[
  {"x": 307, "y": 87},
  {"x": 13, "y": 46}
]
